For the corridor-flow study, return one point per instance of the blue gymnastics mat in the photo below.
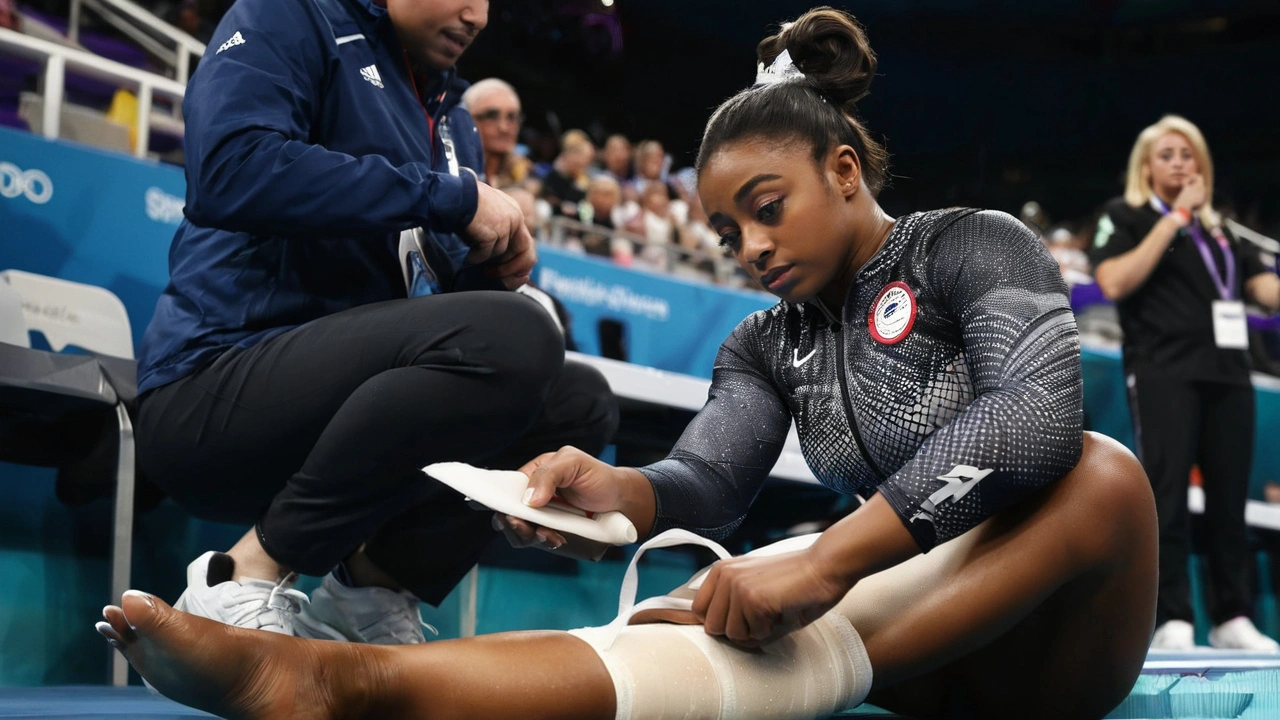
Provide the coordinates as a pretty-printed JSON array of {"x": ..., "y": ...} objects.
[
  {"x": 1205, "y": 683},
  {"x": 91, "y": 701},
  {"x": 1200, "y": 684},
  {"x": 87, "y": 702}
]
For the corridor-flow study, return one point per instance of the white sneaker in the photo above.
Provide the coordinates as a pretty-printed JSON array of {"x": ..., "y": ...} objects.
[
  {"x": 373, "y": 615},
  {"x": 253, "y": 604},
  {"x": 1174, "y": 635},
  {"x": 1240, "y": 634}
]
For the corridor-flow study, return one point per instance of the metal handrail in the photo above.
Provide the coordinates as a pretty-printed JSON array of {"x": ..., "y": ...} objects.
[
  {"x": 142, "y": 27},
  {"x": 58, "y": 58}
]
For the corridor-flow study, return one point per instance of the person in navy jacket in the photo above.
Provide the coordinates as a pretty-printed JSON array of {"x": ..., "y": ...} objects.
[{"x": 287, "y": 380}]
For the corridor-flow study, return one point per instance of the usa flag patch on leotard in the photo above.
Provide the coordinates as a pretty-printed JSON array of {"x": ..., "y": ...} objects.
[{"x": 892, "y": 314}]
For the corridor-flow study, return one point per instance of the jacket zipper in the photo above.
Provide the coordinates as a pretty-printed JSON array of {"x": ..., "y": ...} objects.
[{"x": 841, "y": 374}]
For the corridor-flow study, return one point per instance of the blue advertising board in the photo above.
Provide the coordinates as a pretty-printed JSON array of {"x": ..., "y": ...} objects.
[
  {"x": 97, "y": 217},
  {"x": 664, "y": 322}
]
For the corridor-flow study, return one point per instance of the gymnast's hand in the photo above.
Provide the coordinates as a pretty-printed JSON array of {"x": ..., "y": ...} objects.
[
  {"x": 499, "y": 238},
  {"x": 752, "y": 600},
  {"x": 584, "y": 482}
]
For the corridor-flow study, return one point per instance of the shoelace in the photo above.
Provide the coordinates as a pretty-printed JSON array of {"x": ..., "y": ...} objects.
[
  {"x": 417, "y": 613},
  {"x": 284, "y": 598}
]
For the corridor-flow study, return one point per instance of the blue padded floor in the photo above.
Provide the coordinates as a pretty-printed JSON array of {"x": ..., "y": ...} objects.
[
  {"x": 88, "y": 702},
  {"x": 1205, "y": 683},
  {"x": 1201, "y": 684}
]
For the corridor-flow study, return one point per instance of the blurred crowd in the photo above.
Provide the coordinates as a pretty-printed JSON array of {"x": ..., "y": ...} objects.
[{"x": 617, "y": 199}]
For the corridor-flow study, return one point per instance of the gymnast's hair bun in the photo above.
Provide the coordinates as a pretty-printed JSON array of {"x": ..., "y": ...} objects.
[{"x": 830, "y": 47}]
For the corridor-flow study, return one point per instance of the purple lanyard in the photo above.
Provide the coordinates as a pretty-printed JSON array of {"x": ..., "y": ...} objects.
[{"x": 1196, "y": 231}]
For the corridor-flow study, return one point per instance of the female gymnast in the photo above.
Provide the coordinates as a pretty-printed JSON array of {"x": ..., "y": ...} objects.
[{"x": 1004, "y": 564}]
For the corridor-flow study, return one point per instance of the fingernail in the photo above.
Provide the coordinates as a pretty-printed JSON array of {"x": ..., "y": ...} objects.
[
  {"x": 495, "y": 523},
  {"x": 528, "y": 495},
  {"x": 104, "y": 612},
  {"x": 145, "y": 597}
]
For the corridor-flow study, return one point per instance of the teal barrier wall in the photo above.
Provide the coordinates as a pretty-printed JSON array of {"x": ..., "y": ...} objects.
[{"x": 1106, "y": 408}]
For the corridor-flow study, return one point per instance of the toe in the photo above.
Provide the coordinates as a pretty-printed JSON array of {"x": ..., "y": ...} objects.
[
  {"x": 118, "y": 624},
  {"x": 108, "y": 632},
  {"x": 141, "y": 611}
]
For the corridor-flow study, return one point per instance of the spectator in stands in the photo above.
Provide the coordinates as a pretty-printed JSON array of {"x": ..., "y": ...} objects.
[
  {"x": 604, "y": 206},
  {"x": 566, "y": 184},
  {"x": 697, "y": 234},
  {"x": 661, "y": 222},
  {"x": 1072, "y": 260},
  {"x": 187, "y": 17},
  {"x": 495, "y": 107},
  {"x": 616, "y": 161},
  {"x": 9, "y": 15},
  {"x": 1178, "y": 276},
  {"x": 1033, "y": 216},
  {"x": 652, "y": 165},
  {"x": 285, "y": 379},
  {"x": 603, "y": 209}
]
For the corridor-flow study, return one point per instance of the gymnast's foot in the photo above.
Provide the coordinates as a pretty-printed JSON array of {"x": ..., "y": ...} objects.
[{"x": 238, "y": 673}]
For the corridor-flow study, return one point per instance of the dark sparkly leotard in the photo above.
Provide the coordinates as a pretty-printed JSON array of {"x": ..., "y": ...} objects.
[{"x": 950, "y": 382}]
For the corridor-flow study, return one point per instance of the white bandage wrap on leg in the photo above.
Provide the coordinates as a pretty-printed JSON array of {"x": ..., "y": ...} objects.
[{"x": 663, "y": 670}]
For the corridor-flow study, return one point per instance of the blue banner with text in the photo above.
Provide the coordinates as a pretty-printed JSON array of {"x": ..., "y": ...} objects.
[
  {"x": 83, "y": 214},
  {"x": 642, "y": 317}
]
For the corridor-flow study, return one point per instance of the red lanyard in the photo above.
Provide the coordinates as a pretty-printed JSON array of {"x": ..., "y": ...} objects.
[{"x": 431, "y": 123}]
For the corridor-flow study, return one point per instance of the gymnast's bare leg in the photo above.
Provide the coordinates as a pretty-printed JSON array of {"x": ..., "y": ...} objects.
[{"x": 1044, "y": 611}]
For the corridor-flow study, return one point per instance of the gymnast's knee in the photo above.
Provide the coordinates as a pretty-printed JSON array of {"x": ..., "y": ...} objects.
[
  {"x": 1108, "y": 469},
  {"x": 661, "y": 670}
]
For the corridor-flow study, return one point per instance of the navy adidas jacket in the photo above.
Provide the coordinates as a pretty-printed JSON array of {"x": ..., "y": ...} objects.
[{"x": 308, "y": 151}]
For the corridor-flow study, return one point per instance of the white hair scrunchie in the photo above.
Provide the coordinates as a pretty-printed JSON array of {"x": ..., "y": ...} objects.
[{"x": 781, "y": 70}]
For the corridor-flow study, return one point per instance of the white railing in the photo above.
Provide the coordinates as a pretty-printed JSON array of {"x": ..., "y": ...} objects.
[
  {"x": 59, "y": 58},
  {"x": 1253, "y": 236},
  {"x": 143, "y": 27}
]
